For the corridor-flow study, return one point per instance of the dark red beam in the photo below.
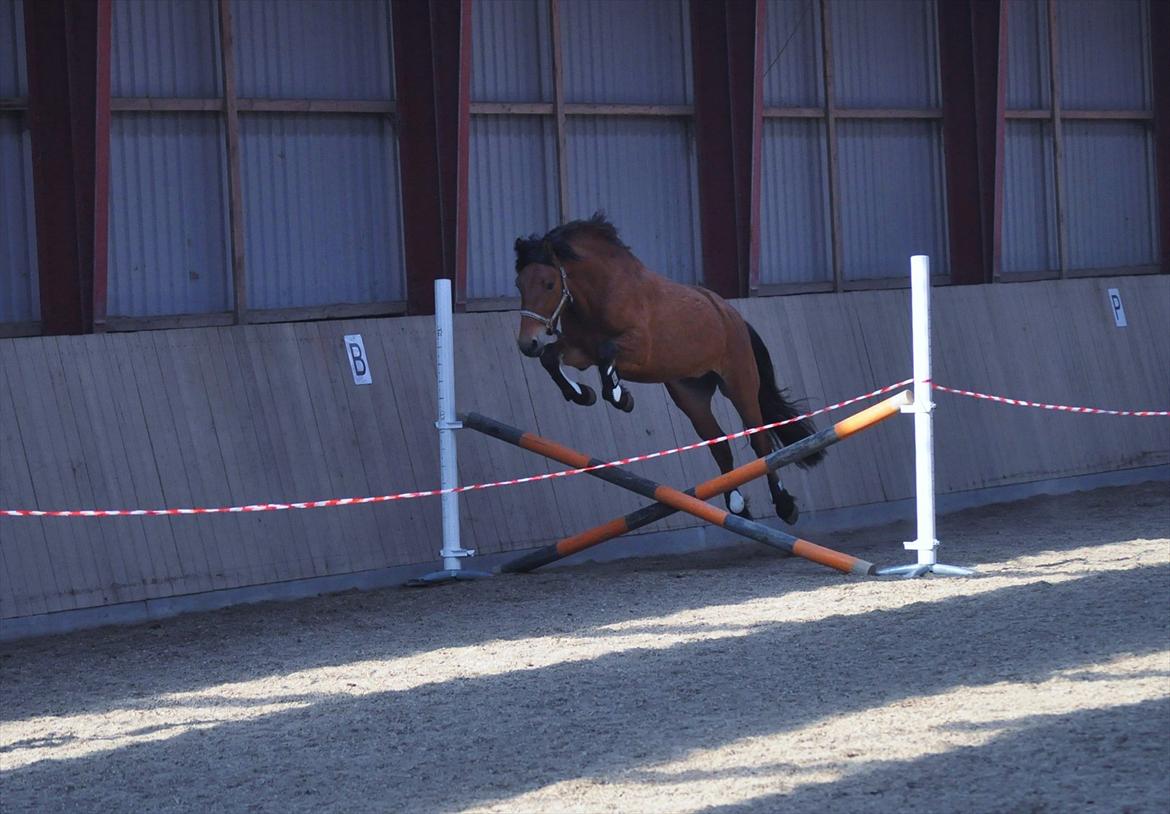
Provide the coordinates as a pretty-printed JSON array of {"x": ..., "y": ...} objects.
[
  {"x": 67, "y": 46},
  {"x": 727, "y": 51},
  {"x": 432, "y": 58},
  {"x": 1160, "y": 21},
  {"x": 972, "y": 55}
]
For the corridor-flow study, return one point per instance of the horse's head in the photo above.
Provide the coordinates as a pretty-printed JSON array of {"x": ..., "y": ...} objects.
[{"x": 544, "y": 293}]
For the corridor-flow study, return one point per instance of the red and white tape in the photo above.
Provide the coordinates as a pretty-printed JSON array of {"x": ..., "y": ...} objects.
[
  {"x": 1063, "y": 408},
  {"x": 357, "y": 501}
]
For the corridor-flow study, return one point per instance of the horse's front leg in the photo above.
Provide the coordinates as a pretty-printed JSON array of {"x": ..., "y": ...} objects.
[
  {"x": 550, "y": 360},
  {"x": 611, "y": 382}
]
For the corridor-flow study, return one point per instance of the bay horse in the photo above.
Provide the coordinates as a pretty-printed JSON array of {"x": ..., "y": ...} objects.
[{"x": 586, "y": 300}]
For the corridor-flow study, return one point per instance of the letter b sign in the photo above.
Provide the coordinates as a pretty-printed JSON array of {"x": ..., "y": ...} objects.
[{"x": 355, "y": 351}]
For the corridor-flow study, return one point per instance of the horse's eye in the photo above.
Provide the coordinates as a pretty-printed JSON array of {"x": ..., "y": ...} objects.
[{"x": 549, "y": 285}]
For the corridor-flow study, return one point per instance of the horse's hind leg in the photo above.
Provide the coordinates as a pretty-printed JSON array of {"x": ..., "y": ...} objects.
[
  {"x": 693, "y": 397},
  {"x": 743, "y": 393},
  {"x": 573, "y": 391}
]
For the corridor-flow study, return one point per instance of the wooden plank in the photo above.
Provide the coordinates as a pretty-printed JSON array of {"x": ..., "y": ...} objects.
[
  {"x": 967, "y": 448},
  {"x": 558, "y": 74},
  {"x": 110, "y": 404},
  {"x": 181, "y": 392},
  {"x": 237, "y": 457},
  {"x": 409, "y": 349},
  {"x": 379, "y": 107},
  {"x": 54, "y": 470},
  {"x": 157, "y": 549},
  {"x": 888, "y": 113},
  {"x": 299, "y": 442},
  {"x": 1055, "y": 76},
  {"x": 32, "y": 585},
  {"x": 192, "y": 568},
  {"x": 83, "y": 415},
  {"x": 282, "y": 541},
  {"x": 883, "y": 335},
  {"x": 342, "y": 465},
  {"x": 227, "y": 72},
  {"x": 386, "y": 461},
  {"x": 856, "y": 473},
  {"x": 828, "y": 85},
  {"x": 488, "y": 380}
]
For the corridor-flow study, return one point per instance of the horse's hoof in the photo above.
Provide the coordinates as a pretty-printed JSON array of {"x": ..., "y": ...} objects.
[
  {"x": 626, "y": 402},
  {"x": 786, "y": 508},
  {"x": 586, "y": 398}
]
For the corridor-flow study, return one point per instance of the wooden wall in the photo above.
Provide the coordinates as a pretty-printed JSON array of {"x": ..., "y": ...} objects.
[{"x": 225, "y": 416}]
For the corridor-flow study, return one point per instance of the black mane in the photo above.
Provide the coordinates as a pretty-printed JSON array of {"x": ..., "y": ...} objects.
[{"x": 541, "y": 248}]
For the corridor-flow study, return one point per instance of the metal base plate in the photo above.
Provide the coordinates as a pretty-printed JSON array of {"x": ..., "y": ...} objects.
[
  {"x": 918, "y": 570},
  {"x": 443, "y": 577}
]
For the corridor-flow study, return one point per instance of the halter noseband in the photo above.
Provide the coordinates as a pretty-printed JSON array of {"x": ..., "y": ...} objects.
[{"x": 550, "y": 322}]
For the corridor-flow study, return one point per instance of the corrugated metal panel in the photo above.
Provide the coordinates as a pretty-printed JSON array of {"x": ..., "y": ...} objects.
[
  {"x": 13, "y": 81},
  {"x": 1109, "y": 178},
  {"x": 512, "y": 191},
  {"x": 165, "y": 49},
  {"x": 892, "y": 197},
  {"x": 627, "y": 51},
  {"x": 168, "y": 251},
  {"x": 885, "y": 53},
  {"x": 321, "y": 210},
  {"x": 1028, "y": 74},
  {"x": 1104, "y": 54},
  {"x": 1029, "y": 198},
  {"x": 313, "y": 49},
  {"x": 511, "y": 52},
  {"x": 641, "y": 171},
  {"x": 793, "y": 66},
  {"x": 19, "y": 293},
  {"x": 794, "y": 206}
]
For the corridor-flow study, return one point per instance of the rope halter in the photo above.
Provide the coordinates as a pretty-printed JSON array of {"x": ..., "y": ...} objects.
[{"x": 550, "y": 322}]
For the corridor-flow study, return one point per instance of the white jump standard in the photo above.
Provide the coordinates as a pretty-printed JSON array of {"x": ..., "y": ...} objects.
[{"x": 926, "y": 544}]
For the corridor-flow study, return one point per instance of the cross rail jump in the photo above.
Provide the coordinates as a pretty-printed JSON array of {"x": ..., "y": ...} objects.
[
  {"x": 654, "y": 512},
  {"x": 670, "y": 500}
]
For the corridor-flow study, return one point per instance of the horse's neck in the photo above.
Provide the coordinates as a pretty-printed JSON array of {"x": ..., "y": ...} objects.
[{"x": 598, "y": 285}]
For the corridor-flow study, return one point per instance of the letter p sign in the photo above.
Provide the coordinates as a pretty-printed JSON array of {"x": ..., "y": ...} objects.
[
  {"x": 1118, "y": 308},
  {"x": 355, "y": 351}
]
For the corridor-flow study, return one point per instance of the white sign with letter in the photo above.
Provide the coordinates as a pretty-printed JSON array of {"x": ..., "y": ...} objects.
[
  {"x": 355, "y": 351},
  {"x": 1118, "y": 308}
]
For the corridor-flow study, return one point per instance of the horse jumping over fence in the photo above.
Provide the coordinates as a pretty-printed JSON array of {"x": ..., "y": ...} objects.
[{"x": 587, "y": 300}]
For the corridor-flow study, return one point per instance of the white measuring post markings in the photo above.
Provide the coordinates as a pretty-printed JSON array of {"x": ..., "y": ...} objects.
[
  {"x": 923, "y": 411},
  {"x": 452, "y": 552}
]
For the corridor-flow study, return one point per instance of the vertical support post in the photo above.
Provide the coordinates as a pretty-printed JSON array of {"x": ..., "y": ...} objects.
[
  {"x": 452, "y": 552},
  {"x": 67, "y": 45},
  {"x": 727, "y": 38},
  {"x": 923, "y": 410},
  {"x": 447, "y": 424},
  {"x": 231, "y": 129},
  {"x": 432, "y": 70}
]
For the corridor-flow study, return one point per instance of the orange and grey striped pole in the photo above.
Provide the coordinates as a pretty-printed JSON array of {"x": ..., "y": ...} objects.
[
  {"x": 670, "y": 500},
  {"x": 711, "y": 488}
]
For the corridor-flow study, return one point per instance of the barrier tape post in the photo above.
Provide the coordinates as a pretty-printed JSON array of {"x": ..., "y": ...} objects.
[
  {"x": 926, "y": 543},
  {"x": 452, "y": 552}
]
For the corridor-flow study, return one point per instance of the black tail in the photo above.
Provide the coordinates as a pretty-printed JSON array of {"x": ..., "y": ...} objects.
[{"x": 774, "y": 407}]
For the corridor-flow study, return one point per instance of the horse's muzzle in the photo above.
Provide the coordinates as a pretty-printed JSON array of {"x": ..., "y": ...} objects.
[{"x": 530, "y": 346}]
